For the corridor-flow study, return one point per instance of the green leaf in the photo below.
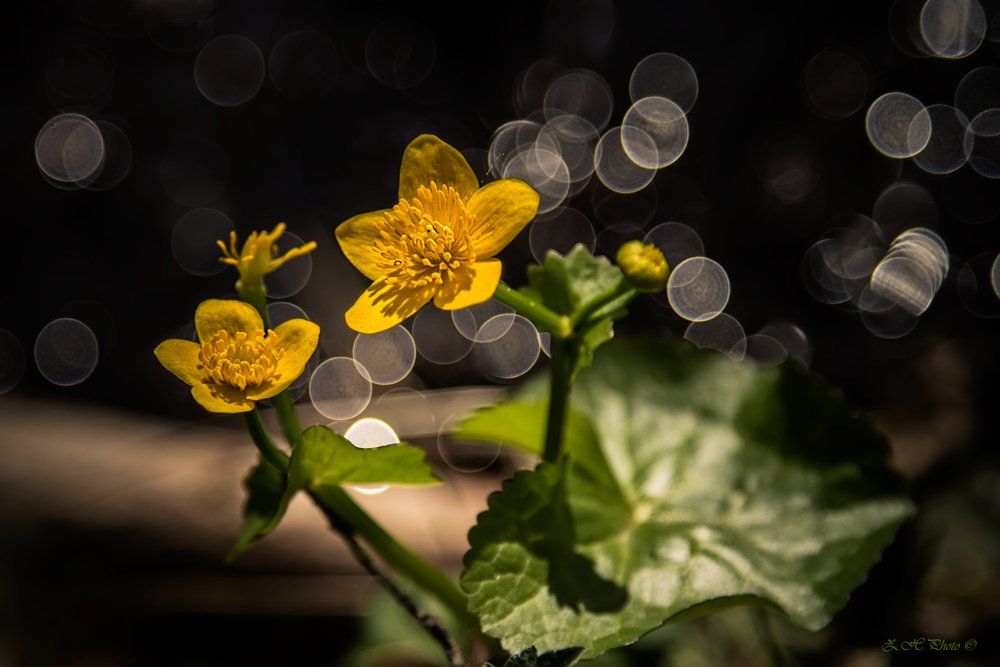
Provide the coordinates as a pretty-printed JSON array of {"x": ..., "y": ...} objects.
[
  {"x": 531, "y": 658},
  {"x": 714, "y": 484},
  {"x": 575, "y": 282},
  {"x": 265, "y": 506},
  {"x": 324, "y": 458},
  {"x": 590, "y": 289}
]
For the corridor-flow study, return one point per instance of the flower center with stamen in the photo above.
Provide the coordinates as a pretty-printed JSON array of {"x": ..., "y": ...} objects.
[
  {"x": 240, "y": 360},
  {"x": 424, "y": 242}
]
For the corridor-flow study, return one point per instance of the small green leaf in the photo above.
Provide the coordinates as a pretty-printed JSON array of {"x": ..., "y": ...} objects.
[
  {"x": 711, "y": 484},
  {"x": 590, "y": 289},
  {"x": 530, "y": 658},
  {"x": 575, "y": 282},
  {"x": 324, "y": 458},
  {"x": 265, "y": 506}
]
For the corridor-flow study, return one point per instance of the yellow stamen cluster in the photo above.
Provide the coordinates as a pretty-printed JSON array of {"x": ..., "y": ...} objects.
[
  {"x": 259, "y": 255},
  {"x": 240, "y": 360},
  {"x": 424, "y": 242}
]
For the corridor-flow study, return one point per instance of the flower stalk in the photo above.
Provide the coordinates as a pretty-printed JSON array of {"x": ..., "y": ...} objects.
[{"x": 542, "y": 317}]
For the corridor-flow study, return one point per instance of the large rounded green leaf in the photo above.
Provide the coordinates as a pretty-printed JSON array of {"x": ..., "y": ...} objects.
[{"x": 702, "y": 484}]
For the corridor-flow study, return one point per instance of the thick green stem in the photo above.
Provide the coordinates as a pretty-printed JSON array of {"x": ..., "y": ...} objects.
[
  {"x": 267, "y": 448},
  {"x": 561, "y": 370},
  {"x": 543, "y": 318}
]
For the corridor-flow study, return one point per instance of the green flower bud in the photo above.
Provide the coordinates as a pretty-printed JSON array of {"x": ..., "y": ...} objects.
[{"x": 643, "y": 265}]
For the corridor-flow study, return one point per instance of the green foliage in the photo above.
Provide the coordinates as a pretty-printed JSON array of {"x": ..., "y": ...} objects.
[
  {"x": 590, "y": 290},
  {"x": 574, "y": 282},
  {"x": 701, "y": 484},
  {"x": 265, "y": 505},
  {"x": 324, "y": 458},
  {"x": 531, "y": 658}
]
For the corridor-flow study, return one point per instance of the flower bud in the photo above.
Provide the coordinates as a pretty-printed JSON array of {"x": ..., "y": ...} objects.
[{"x": 643, "y": 265}]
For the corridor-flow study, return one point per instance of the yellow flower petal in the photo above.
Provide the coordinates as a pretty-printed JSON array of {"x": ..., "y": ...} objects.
[
  {"x": 297, "y": 340},
  {"x": 485, "y": 276},
  {"x": 221, "y": 398},
  {"x": 356, "y": 237},
  {"x": 427, "y": 159},
  {"x": 180, "y": 357},
  {"x": 502, "y": 209},
  {"x": 229, "y": 315},
  {"x": 383, "y": 306}
]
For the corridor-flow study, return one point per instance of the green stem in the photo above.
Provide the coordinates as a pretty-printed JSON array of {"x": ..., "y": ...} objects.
[
  {"x": 350, "y": 519},
  {"x": 267, "y": 448},
  {"x": 345, "y": 515},
  {"x": 286, "y": 416},
  {"x": 283, "y": 405},
  {"x": 562, "y": 369},
  {"x": 624, "y": 293},
  {"x": 545, "y": 319},
  {"x": 341, "y": 509}
]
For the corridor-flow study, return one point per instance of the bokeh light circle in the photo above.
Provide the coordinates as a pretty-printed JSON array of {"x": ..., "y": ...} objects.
[
  {"x": 995, "y": 276},
  {"x": 545, "y": 171},
  {"x": 369, "y": 433},
  {"x": 464, "y": 454},
  {"x": 79, "y": 78},
  {"x": 613, "y": 164},
  {"x": 387, "y": 356},
  {"x": 340, "y": 388},
  {"x": 983, "y": 143},
  {"x": 665, "y": 75},
  {"x": 562, "y": 230},
  {"x": 436, "y": 337},
  {"x": 698, "y": 289},
  {"x": 469, "y": 321},
  {"x": 977, "y": 286},
  {"x": 898, "y": 125},
  {"x": 676, "y": 241},
  {"x": 66, "y": 351},
  {"x": 193, "y": 240},
  {"x": 12, "y": 361},
  {"x": 400, "y": 53},
  {"x": 582, "y": 93},
  {"x": 978, "y": 91},
  {"x": 835, "y": 84},
  {"x": 952, "y": 28},
  {"x": 69, "y": 148},
  {"x": 293, "y": 276},
  {"x": 949, "y": 145},
  {"x": 229, "y": 70},
  {"x": 662, "y": 121},
  {"x": 304, "y": 64},
  {"x": 513, "y": 353},
  {"x": 902, "y": 205},
  {"x": 722, "y": 333},
  {"x": 117, "y": 158}
]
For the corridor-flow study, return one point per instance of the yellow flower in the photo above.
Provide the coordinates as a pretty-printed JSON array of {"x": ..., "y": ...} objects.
[
  {"x": 438, "y": 242},
  {"x": 237, "y": 362},
  {"x": 259, "y": 256}
]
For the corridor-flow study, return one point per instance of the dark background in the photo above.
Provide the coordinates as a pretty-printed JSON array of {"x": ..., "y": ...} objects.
[{"x": 313, "y": 163}]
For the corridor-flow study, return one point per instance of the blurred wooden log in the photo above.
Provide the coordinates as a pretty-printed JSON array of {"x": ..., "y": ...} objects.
[{"x": 176, "y": 487}]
